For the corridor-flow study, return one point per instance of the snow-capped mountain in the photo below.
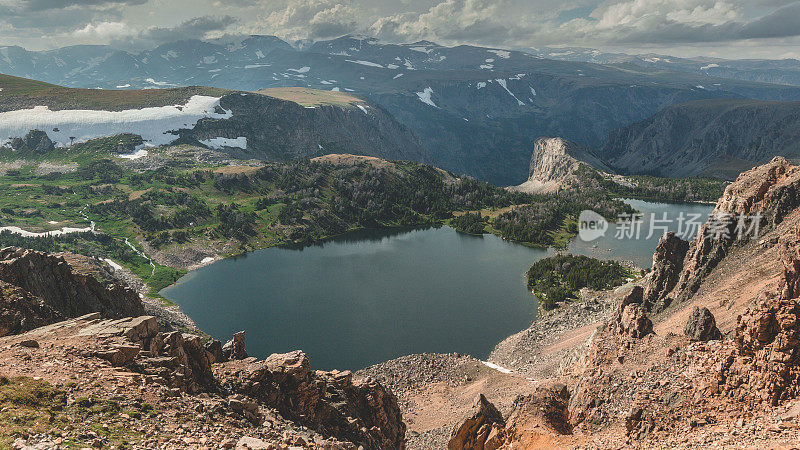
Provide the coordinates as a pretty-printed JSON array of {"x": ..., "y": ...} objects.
[{"x": 476, "y": 110}]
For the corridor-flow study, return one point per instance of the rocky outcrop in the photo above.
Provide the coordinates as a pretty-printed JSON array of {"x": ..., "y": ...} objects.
[
  {"x": 666, "y": 269},
  {"x": 332, "y": 403},
  {"x": 483, "y": 430},
  {"x": 758, "y": 200},
  {"x": 553, "y": 165},
  {"x": 631, "y": 319},
  {"x": 63, "y": 289},
  {"x": 234, "y": 349},
  {"x": 701, "y": 325},
  {"x": 711, "y": 137},
  {"x": 765, "y": 363},
  {"x": 20, "y": 311},
  {"x": 541, "y": 416},
  {"x": 36, "y": 141},
  {"x": 280, "y": 402}
]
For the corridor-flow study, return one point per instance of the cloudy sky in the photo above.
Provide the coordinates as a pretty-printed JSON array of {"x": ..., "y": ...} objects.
[{"x": 724, "y": 28}]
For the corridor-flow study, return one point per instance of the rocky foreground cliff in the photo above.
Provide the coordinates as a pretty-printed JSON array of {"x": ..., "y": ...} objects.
[{"x": 81, "y": 366}]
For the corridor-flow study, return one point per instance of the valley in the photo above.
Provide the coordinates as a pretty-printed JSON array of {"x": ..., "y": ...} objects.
[{"x": 352, "y": 244}]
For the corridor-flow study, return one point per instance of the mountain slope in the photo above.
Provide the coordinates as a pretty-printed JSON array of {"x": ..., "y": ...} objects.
[
  {"x": 276, "y": 125},
  {"x": 716, "y": 138},
  {"x": 475, "y": 110}
]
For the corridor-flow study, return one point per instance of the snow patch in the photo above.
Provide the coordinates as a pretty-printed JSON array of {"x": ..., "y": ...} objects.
[
  {"x": 113, "y": 265},
  {"x": 365, "y": 63},
  {"x": 494, "y": 366},
  {"x": 221, "y": 142},
  {"x": 487, "y": 66},
  {"x": 156, "y": 125},
  {"x": 505, "y": 54},
  {"x": 504, "y": 84},
  {"x": 397, "y": 76},
  {"x": 425, "y": 50},
  {"x": 710, "y": 66},
  {"x": 363, "y": 108},
  {"x": 303, "y": 69},
  {"x": 121, "y": 86},
  {"x": 62, "y": 231},
  {"x": 425, "y": 97},
  {"x": 259, "y": 54},
  {"x": 254, "y": 66},
  {"x": 481, "y": 85},
  {"x": 141, "y": 153}
]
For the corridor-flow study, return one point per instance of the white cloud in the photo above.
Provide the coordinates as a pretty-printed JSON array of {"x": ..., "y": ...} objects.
[{"x": 104, "y": 31}]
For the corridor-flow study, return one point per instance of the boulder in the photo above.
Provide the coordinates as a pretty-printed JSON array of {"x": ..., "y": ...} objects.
[
  {"x": 631, "y": 319},
  {"x": 702, "y": 326}
]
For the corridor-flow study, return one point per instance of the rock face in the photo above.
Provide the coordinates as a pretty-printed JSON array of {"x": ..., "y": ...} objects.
[
  {"x": 333, "y": 403},
  {"x": 20, "y": 311},
  {"x": 631, "y": 317},
  {"x": 710, "y": 137},
  {"x": 770, "y": 192},
  {"x": 666, "y": 269},
  {"x": 553, "y": 165},
  {"x": 701, "y": 325},
  {"x": 44, "y": 288},
  {"x": 764, "y": 364},
  {"x": 484, "y": 430},
  {"x": 36, "y": 141}
]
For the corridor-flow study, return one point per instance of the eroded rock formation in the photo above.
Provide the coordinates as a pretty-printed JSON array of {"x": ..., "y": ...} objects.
[
  {"x": 631, "y": 319},
  {"x": 666, "y": 269},
  {"x": 483, "y": 430},
  {"x": 758, "y": 200},
  {"x": 63, "y": 289},
  {"x": 553, "y": 165},
  {"x": 333, "y": 403},
  {"x": 766, "y": 361}
]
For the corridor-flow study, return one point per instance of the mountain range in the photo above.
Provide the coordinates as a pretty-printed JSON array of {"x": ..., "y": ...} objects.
[{"x": 475, "y": 110}]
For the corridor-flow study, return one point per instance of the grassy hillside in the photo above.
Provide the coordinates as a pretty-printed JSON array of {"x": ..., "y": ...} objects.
[
  {"x": 312, "y": 97},
  {"x": 21, "y": 93}
]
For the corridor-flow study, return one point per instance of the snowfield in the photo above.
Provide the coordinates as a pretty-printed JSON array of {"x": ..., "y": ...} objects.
[
  {"x": 425, "y": 97},
  {"x": 153, "y": 124},
  {"x": 221, "y": 142}
]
